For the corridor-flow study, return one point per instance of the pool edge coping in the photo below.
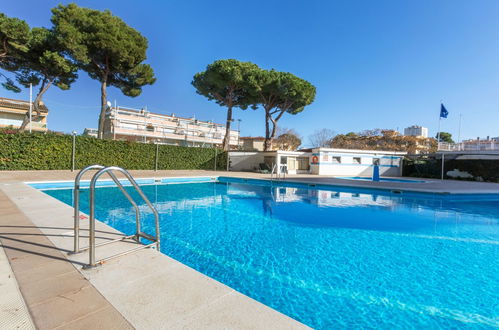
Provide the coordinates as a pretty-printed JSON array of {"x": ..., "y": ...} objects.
[
  {"x": 357, "y": 184},
  {"x": 281, "y": 319}
]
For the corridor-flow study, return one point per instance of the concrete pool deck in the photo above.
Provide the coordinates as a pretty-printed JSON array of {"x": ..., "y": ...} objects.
[{"x": 142, "y": 290}]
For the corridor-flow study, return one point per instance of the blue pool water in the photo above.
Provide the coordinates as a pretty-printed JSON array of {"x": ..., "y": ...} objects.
[
  {"x": 331, "y": 257},
  {"x": 362, "y": 178}
]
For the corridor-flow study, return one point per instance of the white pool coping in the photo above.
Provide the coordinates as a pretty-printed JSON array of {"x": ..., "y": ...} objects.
[{"x": 150, "y": 289}]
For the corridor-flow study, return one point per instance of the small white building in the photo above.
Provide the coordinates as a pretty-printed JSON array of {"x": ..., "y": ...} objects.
[
  {"x": 349, "y": 162},
  {"x": 320, "y": 161},
  {"x": 416, "y": 130},
  {"x": 295, "y": 162}
]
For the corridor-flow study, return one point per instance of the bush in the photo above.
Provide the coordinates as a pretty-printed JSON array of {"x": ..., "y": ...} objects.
[
  {"x": 481, "y": 169},
  {"x": 37, "y": 151}
]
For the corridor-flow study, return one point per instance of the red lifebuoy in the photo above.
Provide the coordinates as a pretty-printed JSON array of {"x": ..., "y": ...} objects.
[{"x": 315, "y": 160}]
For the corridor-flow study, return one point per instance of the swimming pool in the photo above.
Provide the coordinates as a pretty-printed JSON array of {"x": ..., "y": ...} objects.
[
  {"x": 362, "y": 178},
  {"x": 329, "y": 256}
]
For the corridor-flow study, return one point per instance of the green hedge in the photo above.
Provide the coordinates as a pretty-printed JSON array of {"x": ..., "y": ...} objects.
[
  {"x": 481, "y": 169},
  {"x": 36, "y": 151}
]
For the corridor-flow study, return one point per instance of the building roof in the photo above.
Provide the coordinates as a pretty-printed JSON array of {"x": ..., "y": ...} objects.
[
  {"x": 19, "y": 104},
  {"x": 253, "y": 138},
  {"x": 359, "y": 151}
]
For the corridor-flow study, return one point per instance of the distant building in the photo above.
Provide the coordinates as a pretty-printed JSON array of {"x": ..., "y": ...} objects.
[
  {"x": 13, "y": 112},
  {"x": 92, "y": 132},
  {"x": 252, "y": 143},
  {"x": 487, "y": 143},
  {"x": 415, "y": 130},
  {"x": 478, "y": 144},
  {"x": 144, "y": 126}
]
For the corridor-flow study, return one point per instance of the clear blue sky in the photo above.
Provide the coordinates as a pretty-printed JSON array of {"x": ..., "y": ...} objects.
[{"x": 376, "y": 64}]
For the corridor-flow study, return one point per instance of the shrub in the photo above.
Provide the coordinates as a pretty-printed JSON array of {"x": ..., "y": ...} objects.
[
  {"x": 480, "y": 169},
  {"x": 37, "y": 151}
]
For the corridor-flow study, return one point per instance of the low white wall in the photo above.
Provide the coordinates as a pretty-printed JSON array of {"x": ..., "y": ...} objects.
[{"x": 245, "y": 161}]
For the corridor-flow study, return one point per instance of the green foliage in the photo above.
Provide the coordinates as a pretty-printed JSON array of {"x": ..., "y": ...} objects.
[
  {"x": 44, "y": 62},
  {"x": 36, "y": 151},
  {"x": 105, "y": 47},
  {"x": 227, "y": 83},
  {"x": 279, "y": 93},
  {"x": 429, "y": 167},
  {"x": 14, "y": 37},
  {"x": 445, "y": 137}
]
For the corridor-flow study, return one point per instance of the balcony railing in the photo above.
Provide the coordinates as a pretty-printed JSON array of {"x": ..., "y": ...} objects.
[
  {"x": 469, "y": 146},
  {"x": 171, "y": 135}
]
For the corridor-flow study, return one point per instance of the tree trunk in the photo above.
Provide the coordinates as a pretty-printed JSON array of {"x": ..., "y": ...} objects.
[
  {"x": 273, "y": 132},
  {"x": 102, "y": 115},
  {"x": 36, "y": 104},
  {"x": 267, "y": 144},
  {"x": 270, "y": 134},
  {"x": 226, "y": 141}
]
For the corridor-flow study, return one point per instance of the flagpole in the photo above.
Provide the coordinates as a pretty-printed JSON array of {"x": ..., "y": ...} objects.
[{"x": 438, "y": 133}]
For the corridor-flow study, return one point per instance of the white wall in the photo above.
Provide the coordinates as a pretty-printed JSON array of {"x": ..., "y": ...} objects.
[
  {"x": 245, "y": 161},
  {"x": 390, "y": 164}
]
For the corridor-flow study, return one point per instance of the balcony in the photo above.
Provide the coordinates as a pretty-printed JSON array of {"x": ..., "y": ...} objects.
[
  {"x": 486, "y": 145},
  {"x": 170, "y": 136}
]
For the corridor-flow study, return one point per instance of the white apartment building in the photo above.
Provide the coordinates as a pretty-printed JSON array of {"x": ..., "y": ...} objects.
[
  {"x": 13, "y": 112},
  {"x": 415, "y": 130},
  {"x": 144, "y": 126},
  {"x": 487, "y": 144}
]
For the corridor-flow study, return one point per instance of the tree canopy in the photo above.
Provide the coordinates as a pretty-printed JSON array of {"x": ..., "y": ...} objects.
[
  {"x": 44, "y": 64},
  {"x": 227, "y": 82},
  {"x": 445, "y": 137},
  {"x": 14, "y": 37},
  {"x": 279, "y": 93},
  {"x": 105, "y": 47}
]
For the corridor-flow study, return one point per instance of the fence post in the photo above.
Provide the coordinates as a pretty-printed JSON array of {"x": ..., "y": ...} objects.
[
  {"x": 215, "y": 166},
  {"x": 73, "y": 153}
]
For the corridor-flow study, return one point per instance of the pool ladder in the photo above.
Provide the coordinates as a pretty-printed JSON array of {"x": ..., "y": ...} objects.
[
  {"x": 138, "y": 234},
  {"x": 277, "y": 174}
]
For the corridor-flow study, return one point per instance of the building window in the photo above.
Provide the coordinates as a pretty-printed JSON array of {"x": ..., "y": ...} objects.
[
  {"x": 150, "y": 128},
  {"x": 356, "y": 160},
  {"x": 303, "y": 163},
  {"x": 336, "y": 160}
]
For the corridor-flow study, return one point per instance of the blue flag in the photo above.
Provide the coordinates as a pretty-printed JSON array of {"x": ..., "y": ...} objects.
[{"x": 443, "y": 112}]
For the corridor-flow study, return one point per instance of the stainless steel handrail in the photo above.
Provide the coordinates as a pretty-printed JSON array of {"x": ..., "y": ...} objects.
[
  {"x": 277, "y": 171},
  {"x": 139, "y": 234},
  {"x": 283, "y": 171},
  {"x": 274, "y": 167},
  {"x": 76, "y": 204}
]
